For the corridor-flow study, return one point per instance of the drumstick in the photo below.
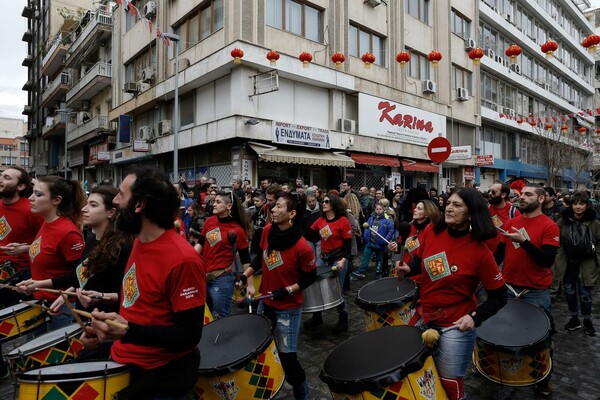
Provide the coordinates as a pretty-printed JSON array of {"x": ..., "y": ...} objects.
[
  {"x": 31, "y": 303},
  {"x": 109, "y": 322},
  {"x": 381, "y": 237},
  {"x": 57, "y": 291},
  {"x": 249, "y": 304},
  {"x": 431, "y": 336},
  {"x": 5, "y": 286},
  {"x": 266, "y": 296},
  {"x": 75, "y": 315}
]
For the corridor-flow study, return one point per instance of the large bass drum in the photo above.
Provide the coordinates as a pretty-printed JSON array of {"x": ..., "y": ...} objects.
[{"x": 325, "y": 293}]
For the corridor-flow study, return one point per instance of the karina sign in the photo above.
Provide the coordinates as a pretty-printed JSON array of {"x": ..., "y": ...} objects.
[
  {"x": 384, "y": 119},
  {"x": 300, "y": 135}
]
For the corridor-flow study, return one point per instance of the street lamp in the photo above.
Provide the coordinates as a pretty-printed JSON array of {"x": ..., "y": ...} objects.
[{"x": 175, "y": 38}]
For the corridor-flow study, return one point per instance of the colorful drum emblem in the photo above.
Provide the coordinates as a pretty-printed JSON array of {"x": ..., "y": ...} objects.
[
  {"x": 19, "y": 320},
  {"x": 387, "y": 302},
  {"x": 371, "y": 366},
  {"x": 56, "y": 347},
  {"x": 6, "y": 270},
  {"x": 98, "y": 380},
  {"x": 240, "y": 293},
  {"x": 513, "y": 346},
  {"x": 239, "y": 360},
  {"x": 207, "y": 315}
]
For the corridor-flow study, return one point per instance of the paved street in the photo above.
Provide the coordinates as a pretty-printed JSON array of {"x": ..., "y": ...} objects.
[{"x": 576, "y": 360}]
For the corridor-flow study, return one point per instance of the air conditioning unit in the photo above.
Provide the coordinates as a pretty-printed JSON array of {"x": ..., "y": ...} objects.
[
  {"x": 506, "y": 63},
  {"x": 144, "y": 86},
  {"x": 546, "y": 86},
  {"x": 164, "y": 127},
  {"x": 429, "y": 86},
  {"x": 462, "y": 94},
  {"x": 469, "y": 44},
  {"x": 508, "y": 111},
  {"x": 131, "y": 87},
  {"x": 373, "y": 3},
  {"x": 150, "y": 9},
  {"x": 147, "y": 74},
  {"x": 515, "y": 68},
  {"x": 85, "y": 105},
  {"x": 145, "y": 133},
  {"x": 499, "y": 59},
  {"x": 347, "y": 125},
  {"x": 490, "y": 53},
  {"x": 506, "y": 17}
]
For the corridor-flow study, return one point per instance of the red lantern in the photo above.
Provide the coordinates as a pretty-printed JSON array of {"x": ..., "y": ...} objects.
[
  {"x": 434, "y": 57},
  {"x": 532, "y": 123},
  {"x": 476, "y": 55},
  {"x": 564, "y": 129},
  {"x": 591, "y": 42},
  {"x": 513, "y": 52},
  {"x": 549, "y": 48},
  {"x": 237, "y": 55},
  {"x": 403, "y": 57},
  {"x": 598, "y": 132},
  {"x": 338, "y": 58},
  {"x": 306, "y": 58},
  {"x": 582, "y": 130},
  {"x": 368, "y": 58},
  {"x": 520, "y": 121},
  {"x": 273, "y": 56},
  {"x": 548, "y": 127}
]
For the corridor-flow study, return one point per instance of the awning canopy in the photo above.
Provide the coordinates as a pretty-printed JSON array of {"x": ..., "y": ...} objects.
[
  {"x": 419, "y": 166},
  {"x": 294, "y": 156},
  {"x": 374, "y": 159}
]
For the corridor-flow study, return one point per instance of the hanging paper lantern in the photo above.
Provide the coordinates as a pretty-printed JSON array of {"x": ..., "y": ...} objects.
[
  {"x": 434, "y": 57},
  {"x": 532, "y": 123},
  {"x": 476, "y": 55},
  {"x": 237, "y": 55},
  {"x": 273, "y": 56},
  {"x": 403, "y": 57},
  {"x": 368, "y": 58},
  {"x": 598, "y": 132},
  {"x": 306, "y": 58},
  {"x": 338, "y": 58},
  {"x": 520, "y": 121},
  {"x": 548, "y": 127},
  {"x": 513, "y": 52},
  {"x": 564, "y": 129},
  {"x": 549, "y": 48},
  {"x": 582, "y": 130},
  {"x": 591, "y": 42}
]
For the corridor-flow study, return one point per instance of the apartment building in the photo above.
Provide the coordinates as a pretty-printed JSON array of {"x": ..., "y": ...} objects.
[{"x": 14, "y": 148}]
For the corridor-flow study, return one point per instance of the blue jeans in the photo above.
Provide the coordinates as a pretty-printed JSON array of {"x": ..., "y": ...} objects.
[
  {"x": 454, "y": 352},
  {"x": 364, "y": 263},
  {"x": 573, "y": 286},
  {"x": 316, "y": 248},
  {"x": 540, "y": 298},
  {"x": 286, "y": 327},
  {"x": 220, "y": 291}
]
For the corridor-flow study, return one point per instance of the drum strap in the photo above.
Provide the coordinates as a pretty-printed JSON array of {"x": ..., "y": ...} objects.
[{"x": 517, "y": 294}]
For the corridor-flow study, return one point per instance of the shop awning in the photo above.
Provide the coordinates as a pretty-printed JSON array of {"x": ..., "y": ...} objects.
[
  {"x": 374, "y": 159},
  {"x": 419, "y": 166},
  {"x": 295, "y": 156}
]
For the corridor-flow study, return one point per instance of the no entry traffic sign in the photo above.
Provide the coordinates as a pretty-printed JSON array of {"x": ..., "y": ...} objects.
[{"x": 439, "y": 149}]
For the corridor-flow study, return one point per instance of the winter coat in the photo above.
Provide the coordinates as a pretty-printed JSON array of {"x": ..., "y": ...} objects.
[
  {"x": 385, "y": 228},
  {"x": 589, "y": 267},
  {"x": 355, "y": 231}
]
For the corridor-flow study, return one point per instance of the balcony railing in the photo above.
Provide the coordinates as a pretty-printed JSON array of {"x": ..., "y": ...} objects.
[
  {"x": 63, "y": 79},
  {"x": 98, "y": 122},
  {"x": 98, "y": 18},
  {"x": 57, "y": 42},
  {"x": 52, "y": 122},
  {"x": 100, "y": 69}
]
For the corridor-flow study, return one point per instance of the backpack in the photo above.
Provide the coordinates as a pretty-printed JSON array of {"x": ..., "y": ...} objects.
[{"x": 579, "y": 241}]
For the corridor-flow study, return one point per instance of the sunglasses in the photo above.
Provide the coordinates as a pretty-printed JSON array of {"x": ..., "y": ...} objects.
[
  {"x": 326, "y": 201},
  {"x": 492, "y": 191}
]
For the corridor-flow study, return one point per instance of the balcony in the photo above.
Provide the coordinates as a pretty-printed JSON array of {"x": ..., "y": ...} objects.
[
  {"x": 28, "y": 86},
  {"x": 28, "y": 11},
  {"x": 96, "y": 79},
  {"x": 55, "y": 126},
  {"x": 54, "y": 58},
  {"x": 88, "y": 130},
  {"x": 27, "y": 110},
  {"x": 27, "y": 36},
  {"x": 93, "y": 29},
  {"x": 27, "y": 61},
  {"x": 57, "y": 88}
]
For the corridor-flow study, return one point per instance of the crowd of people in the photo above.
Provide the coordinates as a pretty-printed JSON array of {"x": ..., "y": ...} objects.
[{"x": 147, "y": 257}]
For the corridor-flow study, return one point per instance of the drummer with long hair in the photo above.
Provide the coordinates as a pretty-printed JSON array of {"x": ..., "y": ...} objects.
[
  {"x": 225, "y": 232},
  {"x": 288, "y": 267},
  {"x": 451, "y": 260}
]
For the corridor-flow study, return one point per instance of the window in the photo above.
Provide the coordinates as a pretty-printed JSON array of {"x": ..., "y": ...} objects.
[
  {"x": 186, "y": 109},
  {"x": 147, "y": 59},
  {"x": 460, "y": 25},
  {"x": 25, "y": 161},
  {"x": 24, "y": 146},
  {"x": 461, "y": 78},
  {"x": 418, "y": 67},
  {"x": 200, "y": 24},
  {"x": 361, "y": 41},
  {"x": 418, "y": 9},
  {"x": 296, "y": 17},
  {"x": 130, "y": 18}
]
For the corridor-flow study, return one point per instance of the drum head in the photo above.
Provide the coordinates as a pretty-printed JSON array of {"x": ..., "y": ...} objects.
[
  {"x": 228, "y": 343},
  {"x": 374, "y": 359},
  {"x": 73, "y": 371},
  {"x": 46, "y": 340},
  {"x": 16, "y": 309},
  {"x": 517, "y": 324},
  {"x": 385, "y": 292}
]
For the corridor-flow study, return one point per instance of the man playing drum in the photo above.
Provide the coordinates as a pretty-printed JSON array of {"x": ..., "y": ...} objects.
[
  {"x": 528, "y": 250},
  {"x": 163, "y": 294}
]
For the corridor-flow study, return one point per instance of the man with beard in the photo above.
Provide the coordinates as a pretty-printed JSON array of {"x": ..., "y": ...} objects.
[
  {"x": 500, "y": 210},
  {"x": 163, "y": 294},
  {"x": 528, "y": 249}
]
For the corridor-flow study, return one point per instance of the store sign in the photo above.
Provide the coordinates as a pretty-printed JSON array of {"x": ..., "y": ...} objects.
[
  {"x": 141, "y": 146},
  {"x": 98, "y": 154},
  {"x": 487, "y": 159},
  {"x": 75, "y": 157},
  {"x": 247, "y": 170},
  {"x": 384, "y": 119},
  {"x": 469, "y": 173},
  {"x": 460, "y": 153},
  {"x": 300, "y": 135}
]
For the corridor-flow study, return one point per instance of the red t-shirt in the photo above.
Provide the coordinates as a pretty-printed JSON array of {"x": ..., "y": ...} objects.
[
  {"x": 283, "y": 268},
  {"x": 332, "y": 233},
  {"x": 499, "y": 218},
  {"x": 217, "y": 250},
  {"x": 56, "y": 244},
  {"x": 162, "y": 277},
  {"x": 451, "y": 269},
  {"x": 413, "y": 242},
  {"x": 18, "y": 225},
  {"x": 519, "y": 267}
]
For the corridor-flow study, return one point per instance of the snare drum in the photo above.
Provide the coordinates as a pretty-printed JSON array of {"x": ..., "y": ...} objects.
[
  {"x": 513, "y": 346},
  {"x": 208, "y": 318},
  {"x": 386, "y": 302},
  {"x": 239, "y": 360},
  {"x": 388, "y": 363},
  {"x": 241, "y": 293},
  {"x": 324, "y": 293},
  {"x": 89, "y": 380},
  {"x": 19, "y": 320},
  {"x": 56, "y": 347}
]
